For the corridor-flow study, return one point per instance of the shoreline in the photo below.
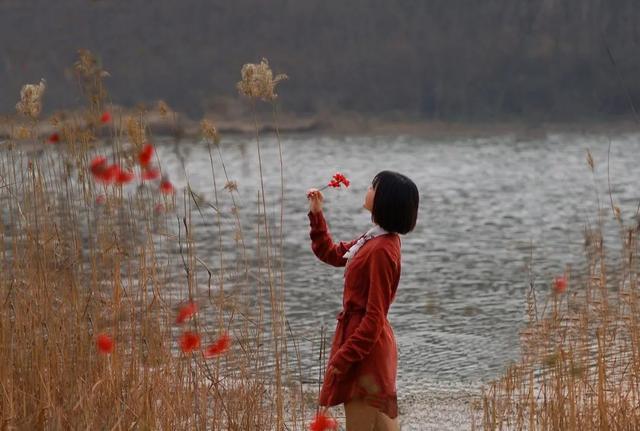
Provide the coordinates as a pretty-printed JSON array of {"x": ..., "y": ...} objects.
[
  {"x": 445, "y": 408},
  {"x": 179, "y": 126}
]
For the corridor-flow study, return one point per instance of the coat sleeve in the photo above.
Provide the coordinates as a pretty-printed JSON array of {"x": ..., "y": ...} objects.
[
  {"x": 383, "y": 281},
  {"x": 322, "y": 243}
]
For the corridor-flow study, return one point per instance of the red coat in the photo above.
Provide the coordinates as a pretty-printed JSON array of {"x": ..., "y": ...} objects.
[{"x": 364, "y": 347}]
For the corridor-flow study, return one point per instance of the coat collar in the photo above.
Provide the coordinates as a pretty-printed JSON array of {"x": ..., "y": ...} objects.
[{"x": 371, "y": 233}]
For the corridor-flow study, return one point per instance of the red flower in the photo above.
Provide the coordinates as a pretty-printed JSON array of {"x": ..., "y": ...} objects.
[
  {"x": 105, "y": 343},
  {"x": 221, "y": 345},
  {"x": 109, "y": 173},
  {"x": 98, "y": 165},
  {"x": 339, "y": 178},
  {"x": 103, "y": 172},
  {"x": 189, "y": 341},
  {"x": 54, "y": 138},
  {"x": 123, "y": 177},
  {"x": 145, "y": 155},
  {"x": 150, "y": 174},
  {"x": 100, "y": 199},
  {"x": 322, "y": 422},
  {"x": 560, "y": 284},
  {"x": 186, "y": 311},
  {"x": 166, "y": 187},
  {"x": 105, "y": 117}
]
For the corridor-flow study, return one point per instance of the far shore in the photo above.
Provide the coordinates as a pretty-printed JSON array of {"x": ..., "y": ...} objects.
[{"x": 179, "y": 126}]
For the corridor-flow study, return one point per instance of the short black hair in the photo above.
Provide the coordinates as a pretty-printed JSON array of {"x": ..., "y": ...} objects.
[{"x": 395, "y": 203}]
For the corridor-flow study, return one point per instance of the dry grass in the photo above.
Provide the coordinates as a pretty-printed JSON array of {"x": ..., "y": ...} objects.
[
  {"x": 80, "y": 258},
  {"x": 580, "y": 364}
]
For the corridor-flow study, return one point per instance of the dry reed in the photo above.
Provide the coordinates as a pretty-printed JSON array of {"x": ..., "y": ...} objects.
[
  {"x": 580, "y": 361},
  {"x": 81, "y": 258}
]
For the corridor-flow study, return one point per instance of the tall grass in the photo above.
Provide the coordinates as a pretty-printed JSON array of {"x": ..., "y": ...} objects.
[
  {"x": 80, "y": 258},
  {"x": 580, "y": 362}
]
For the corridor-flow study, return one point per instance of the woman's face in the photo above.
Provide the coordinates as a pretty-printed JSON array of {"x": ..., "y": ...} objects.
[{"x": 368, "y": 198}]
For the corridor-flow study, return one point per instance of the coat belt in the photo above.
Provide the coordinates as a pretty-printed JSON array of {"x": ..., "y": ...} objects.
[{"x": 342, "y": 315}]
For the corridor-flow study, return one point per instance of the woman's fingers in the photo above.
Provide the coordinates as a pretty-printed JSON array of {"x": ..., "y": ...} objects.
[
  {"x": 314, "y": 194},
  {"x": 315, "y": 200}
]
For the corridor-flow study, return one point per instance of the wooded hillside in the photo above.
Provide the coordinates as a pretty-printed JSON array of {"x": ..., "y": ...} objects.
[{"x": 445, "y": 59}]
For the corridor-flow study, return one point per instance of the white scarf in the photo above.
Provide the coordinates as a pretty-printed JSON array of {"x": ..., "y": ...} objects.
[{"x": 371, "y": 233}]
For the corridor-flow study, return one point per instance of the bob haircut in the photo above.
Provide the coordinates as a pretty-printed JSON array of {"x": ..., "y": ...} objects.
[{"x": 395, "y": 203}]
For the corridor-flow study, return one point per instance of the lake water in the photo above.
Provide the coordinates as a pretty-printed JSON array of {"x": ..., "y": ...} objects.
[
  {"x": 493, "y": 212},
  {"x": 490, "y": 210}
]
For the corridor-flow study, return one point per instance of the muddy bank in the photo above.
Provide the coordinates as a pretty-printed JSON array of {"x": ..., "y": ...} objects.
[{"x": 179, "y": 126}]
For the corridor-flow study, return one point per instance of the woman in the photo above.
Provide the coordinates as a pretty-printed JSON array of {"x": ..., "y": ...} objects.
[{"x": 361, "y": 372}]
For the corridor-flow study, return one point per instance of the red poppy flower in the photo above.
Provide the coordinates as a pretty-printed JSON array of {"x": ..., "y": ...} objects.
[
  {"x": 144, "y": 157},
  {"x": 103, "y": 172},
  {"x": 186, "y": 311},
  {"x": 221, "y": 345},
  {"x": 189, "y": 341},
  {"x": 124, "y": 177},
  {"x": 322, "y": 422},
  {"x": 560, "y": 284},
  {"x": 333, "y": 183},
  {"x": 98, "y": 165},
  {"x": 166, "y": 187},
  {"x": 54, "y": 138},
  {"x": 100, "y": 199},
  {"x": 105, "y": 117},
  {"x": 105, "y": 343},
  {"x": 109, "y": 174},
  {"x": 150, "y": 174}
]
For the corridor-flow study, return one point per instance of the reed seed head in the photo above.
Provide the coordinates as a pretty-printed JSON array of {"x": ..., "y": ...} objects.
[
  {"x": 136, "y": 132},
  {"x": 231, "y": 186},
  {"x": 30, "y": 103},
  {"x": 209, "y": 131},
  {"x": 163, "y": 108},
  {"x": 258, "y": 81}
]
